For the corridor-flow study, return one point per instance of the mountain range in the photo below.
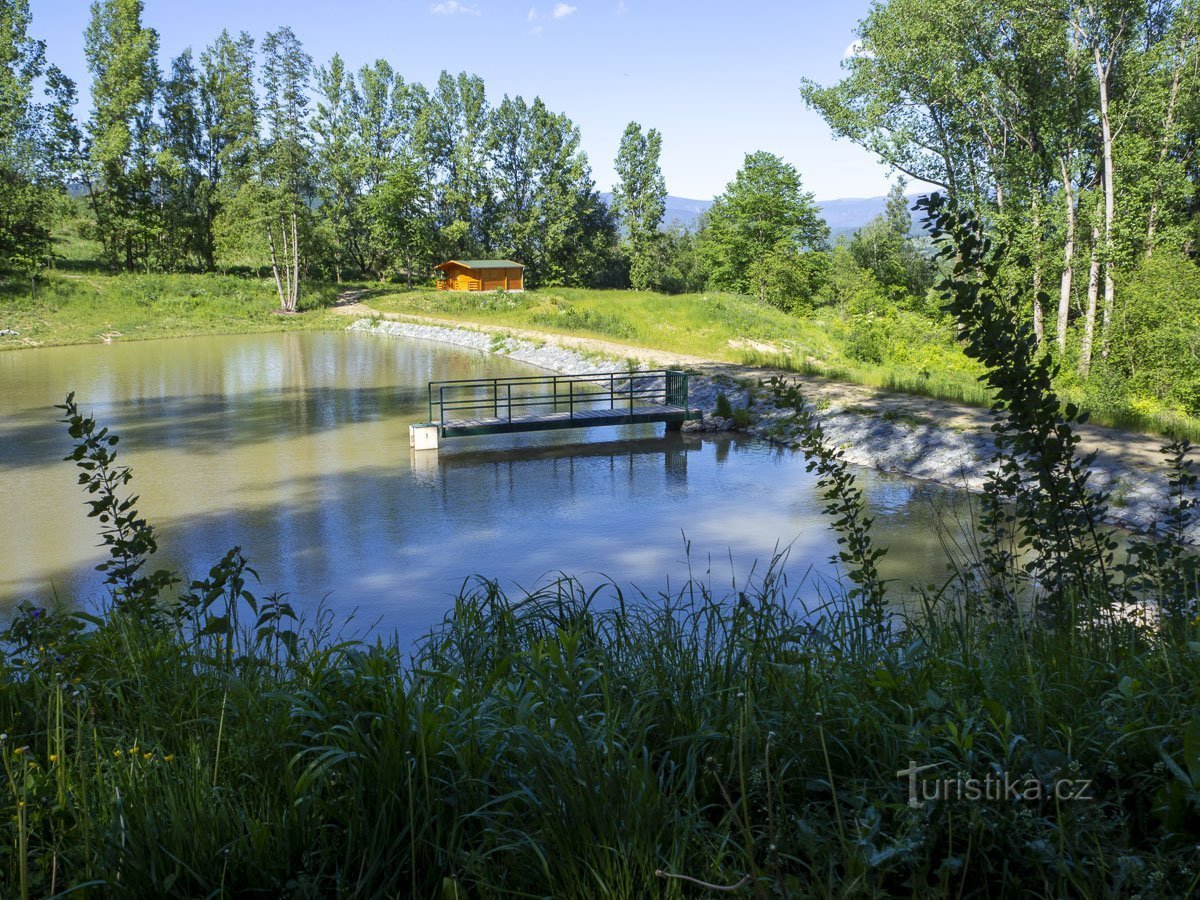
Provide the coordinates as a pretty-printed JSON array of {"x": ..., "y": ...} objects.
[{"x": 844, "y": 216}]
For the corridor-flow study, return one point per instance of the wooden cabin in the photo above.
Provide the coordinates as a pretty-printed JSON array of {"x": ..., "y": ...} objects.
[{"x": 480, "y": 275}]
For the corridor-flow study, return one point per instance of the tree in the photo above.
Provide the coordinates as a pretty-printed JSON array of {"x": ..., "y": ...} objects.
[
  {"x": 38, "y": 144},
  {"x": 456, "y": 134},
  {"x": 339, "y": 160},
  {"x": 392, "y": 119},
  {"x": 122, "y": 58},
  {"x": 885, "y": 248},
  {"x": 763, "y": 222},
  {"x": 286, "y": 160},
  {"x": 639, "y": 203},
  {"x": 181, "y": 178},
  {"x": 544, "y": 209},
  {"x": 229, "y": 131}
]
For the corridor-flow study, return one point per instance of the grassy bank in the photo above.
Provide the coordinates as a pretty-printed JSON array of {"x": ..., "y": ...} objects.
[
  {"x": 78, "y": 302},
  {"x": 902, "y": 351},
  {"x": 922, "y": 357},
  {"x": 82, "y": 309}
]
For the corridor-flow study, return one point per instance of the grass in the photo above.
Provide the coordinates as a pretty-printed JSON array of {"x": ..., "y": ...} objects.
[
  {"x": 547, "y": 746},
  {"x": 77, "y": 303}
]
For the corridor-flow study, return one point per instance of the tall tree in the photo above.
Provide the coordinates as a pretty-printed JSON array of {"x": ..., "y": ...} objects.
[
  {"x": 122, "y": 58},
  {"x": 885, "y": 248},
  {"x": 286, "y": 163},
  {"x": 181, "y": 188},
  {"x": 760, "y": 228},
  {"x": 229, "y": 125},
  {"x": 456, "y": 136},
  {"x": 397, "y": 223},
  {"x": 640, "y": 202},
  {"x": 544, "y": 208},
  {"x": 339, "y": 161},
  {"x": 37, "y": 143}
]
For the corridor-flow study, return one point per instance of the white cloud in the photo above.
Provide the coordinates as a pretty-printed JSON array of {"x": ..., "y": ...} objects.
[
  {"x": 534, "y": 15},
  {"x": 452, "y": 8},
  {"x": 562, "y": 10},
  {"x": 537, "y": 29},
  {"x": 856, "y": 49},
  {"x": 621, "y": 7}
]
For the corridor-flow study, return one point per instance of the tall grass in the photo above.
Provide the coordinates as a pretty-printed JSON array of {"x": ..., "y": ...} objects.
[{"x": 555, "y": 745}]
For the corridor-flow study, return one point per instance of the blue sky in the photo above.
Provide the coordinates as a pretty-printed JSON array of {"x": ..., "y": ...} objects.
[{"x": 718, "y": 79}]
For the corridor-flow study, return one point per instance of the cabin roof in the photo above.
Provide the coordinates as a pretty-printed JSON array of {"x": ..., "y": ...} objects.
[{"x": 482, "y": 263}]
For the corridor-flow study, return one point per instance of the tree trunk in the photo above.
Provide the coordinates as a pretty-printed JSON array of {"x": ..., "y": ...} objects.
[
  {"x": 1039, "y": 330},
  {"x": 1089, "y": 322},
  {"x": 1109, "y": 204},
  {"x": 1164, "y": 148},
  {"x": 295, "y": 299},
  {"x": 1064, "y": 293},
  {"x": 408, "y": 269},
  {"x": 275, "y": 268}
]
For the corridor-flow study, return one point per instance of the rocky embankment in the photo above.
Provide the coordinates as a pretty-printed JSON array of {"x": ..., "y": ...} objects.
[{"x": 891, "y": 440}]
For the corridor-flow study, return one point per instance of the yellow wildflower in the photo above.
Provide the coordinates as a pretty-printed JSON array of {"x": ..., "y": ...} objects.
[
  {"x": 53, "y": 757},
  {"x": 147, "y": 756},
  {"x": 20, "y": 751},
  {"x": 168, "y": 757},
  {"x": 118, "y": 753}
]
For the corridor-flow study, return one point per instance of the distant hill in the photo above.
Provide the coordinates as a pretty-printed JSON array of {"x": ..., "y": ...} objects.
[
  {"x": 844, "y": 216},
  {"x": 680, "y": 210}
]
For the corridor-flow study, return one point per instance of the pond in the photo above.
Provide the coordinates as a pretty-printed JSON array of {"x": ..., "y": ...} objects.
[{"x": 295, "y": 447}]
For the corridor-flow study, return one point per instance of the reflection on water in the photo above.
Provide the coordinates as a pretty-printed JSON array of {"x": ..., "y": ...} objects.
[{"x": 296, "y": 447}]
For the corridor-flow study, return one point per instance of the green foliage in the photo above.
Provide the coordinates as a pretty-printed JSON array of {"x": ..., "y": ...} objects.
[
  {"x": 1155, "y": 347},
  {"x": 1038, "y": 485},
  {"x": 639, "y": 203},
  {"x": 762, "y": 222},
  {"x": 723, "y": 407},
  {"x": 35, "y": 141},
  {"x": 129, "y": 538},
  {"x": 122, "y": 56},
  {"x": 568, "y": 317},
  {"x": 885, "y": 248},
  {"x": 844, "y": 504}
]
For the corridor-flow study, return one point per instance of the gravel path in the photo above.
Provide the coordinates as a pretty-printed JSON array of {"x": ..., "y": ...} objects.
[{"x": 915, "y": 436}]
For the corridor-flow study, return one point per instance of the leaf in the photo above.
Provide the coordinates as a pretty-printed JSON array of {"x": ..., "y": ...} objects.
[
  {"x": 216, "y": 625},
  {"x": 1191, "y": 750}
]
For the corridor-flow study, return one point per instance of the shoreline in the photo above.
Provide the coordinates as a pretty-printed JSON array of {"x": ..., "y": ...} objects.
[{"x": 894, "y": 435}]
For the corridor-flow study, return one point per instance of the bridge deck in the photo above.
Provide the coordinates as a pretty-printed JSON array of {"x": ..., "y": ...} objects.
[{"x": 577, "y": 418}]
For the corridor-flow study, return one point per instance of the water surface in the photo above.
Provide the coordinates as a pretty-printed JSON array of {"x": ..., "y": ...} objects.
[{"x": 295, "y": 446}]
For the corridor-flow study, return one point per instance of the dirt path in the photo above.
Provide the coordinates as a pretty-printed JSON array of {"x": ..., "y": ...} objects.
[{"x": 1111, "y": 445}]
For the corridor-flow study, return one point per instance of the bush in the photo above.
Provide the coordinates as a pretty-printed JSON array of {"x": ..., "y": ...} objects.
[
  {"x": 1155, "y": 342},
  {"x": 868, "y": 339},
  {"x": 724, "y": 410}
]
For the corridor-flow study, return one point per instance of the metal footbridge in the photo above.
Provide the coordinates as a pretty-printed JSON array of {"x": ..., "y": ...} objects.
[{"x": 541, "y": 402}]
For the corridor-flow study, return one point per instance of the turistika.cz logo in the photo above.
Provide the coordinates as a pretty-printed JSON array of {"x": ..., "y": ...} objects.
[{"x": 993, "y": 786}]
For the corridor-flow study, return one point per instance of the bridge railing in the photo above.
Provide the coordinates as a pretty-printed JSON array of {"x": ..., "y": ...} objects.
[{"x": 502, "y": 398}]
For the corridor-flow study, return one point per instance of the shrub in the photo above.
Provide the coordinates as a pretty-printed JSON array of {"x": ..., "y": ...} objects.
[{"x": 723, "y": 409}]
